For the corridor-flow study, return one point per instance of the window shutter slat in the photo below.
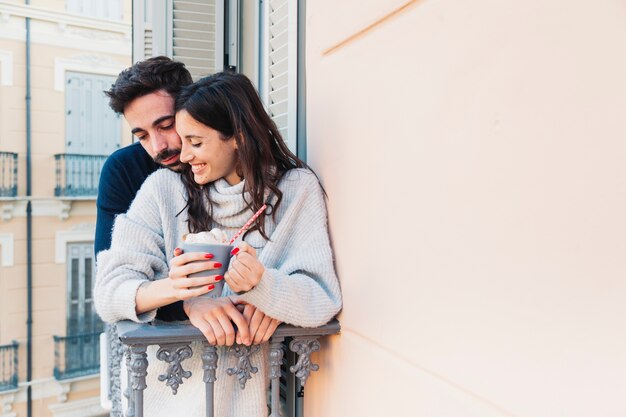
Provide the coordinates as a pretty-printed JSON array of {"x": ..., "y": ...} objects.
[
  {"x": 194, "y": 35},
  {"x": 281, "y": 89}
]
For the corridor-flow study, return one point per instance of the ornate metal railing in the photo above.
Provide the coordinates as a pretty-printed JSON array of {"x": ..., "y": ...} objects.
[
  {"x": 8, "y": 174},
  {"x": 174, "y": 340},
  {"x": 8, "y": 366},
  {"x": 76, "y": 355},
  {"x": 77, "y": 175}
]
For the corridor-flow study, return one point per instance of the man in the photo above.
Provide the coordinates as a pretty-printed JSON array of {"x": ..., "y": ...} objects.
[{"x": 144, "y": 94}]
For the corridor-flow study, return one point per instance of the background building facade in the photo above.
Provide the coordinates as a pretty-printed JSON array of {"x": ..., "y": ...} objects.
[{"x": 77, "y": 48}]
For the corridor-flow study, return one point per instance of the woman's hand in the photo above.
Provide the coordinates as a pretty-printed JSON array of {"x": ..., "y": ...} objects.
[
  {"x": 182, "y": 265},
  {"x": 177, "y": 286},
  {"x": 260, "y": 325},
  {"x": 212, "y": 316},
  {"x": 245, "y": 269}
]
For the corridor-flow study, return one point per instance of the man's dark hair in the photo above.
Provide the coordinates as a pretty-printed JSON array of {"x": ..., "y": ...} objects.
[{"x": 146, "y": 77}]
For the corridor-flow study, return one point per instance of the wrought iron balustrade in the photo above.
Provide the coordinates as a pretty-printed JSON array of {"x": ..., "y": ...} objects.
[
  {"x": 8, "y": 174},
  {"x": 76, "y": 355},
  {"x": 174, "y": 341},
  {"x": 77, "y": 175},
  {"x": 8, "y": 366}
]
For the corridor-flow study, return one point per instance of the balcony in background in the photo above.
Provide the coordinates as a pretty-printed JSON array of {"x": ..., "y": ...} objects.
[
  {"x": 77, "y": 176},
  {"x": 76, "y": 355},
  {"x": 8, "y": 174},
  {"x": 8, "y": 367}
]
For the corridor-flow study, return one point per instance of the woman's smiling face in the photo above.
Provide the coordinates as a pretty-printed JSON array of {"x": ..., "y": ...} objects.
[{"x": 210, "y": 156}]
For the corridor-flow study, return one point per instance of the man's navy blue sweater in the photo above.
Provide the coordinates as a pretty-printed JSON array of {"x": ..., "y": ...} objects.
[{"x": 122, "y": 175}]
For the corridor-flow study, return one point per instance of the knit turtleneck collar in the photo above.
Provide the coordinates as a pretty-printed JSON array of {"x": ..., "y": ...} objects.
[{"x": 229, "y": 207}]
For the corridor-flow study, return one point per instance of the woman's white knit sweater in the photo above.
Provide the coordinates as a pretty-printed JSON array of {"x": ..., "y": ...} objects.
[{"x": 299, "y": 285}]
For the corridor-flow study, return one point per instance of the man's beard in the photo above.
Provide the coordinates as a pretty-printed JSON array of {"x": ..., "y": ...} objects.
[{"x": 166, "y": 154}]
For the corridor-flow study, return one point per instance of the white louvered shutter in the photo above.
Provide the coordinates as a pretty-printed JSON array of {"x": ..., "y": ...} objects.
[
  {"x": 91, "y": 127},
  {"x": 197, "y": 35},
  {"x": 281, "y": 61},
  {"x": 149, "y": 28},
  {"x": 109, "y": 10}
]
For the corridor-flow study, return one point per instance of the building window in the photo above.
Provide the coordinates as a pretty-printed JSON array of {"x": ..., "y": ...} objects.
[
  {"x": 77, "y": 353},
  {"x": 91, "y": 127},
  {"x": 92, "y": 132},
  {"x": 81, "y": 315},
  {"x": 109, "y": 10}
]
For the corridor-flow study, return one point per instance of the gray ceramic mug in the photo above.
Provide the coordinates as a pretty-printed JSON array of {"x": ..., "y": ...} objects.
[{"x": 221, "y": 253}]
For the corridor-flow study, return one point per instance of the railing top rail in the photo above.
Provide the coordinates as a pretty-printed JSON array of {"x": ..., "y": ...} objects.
[
  {"x": 12, "y": 345},
  {"x": 172, "y": 332},
  {"x": 75, "y": 336},
  {"x": 8, "y": 153}
]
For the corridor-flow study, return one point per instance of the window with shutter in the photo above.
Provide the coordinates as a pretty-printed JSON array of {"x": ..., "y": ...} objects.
[
  {"x": 91, "y": 127},
  {"x": 81, "y": 315},
  {"x": 197, "y": 35},
  {"x": 279, "y": 65},
  {"x": 190, "y": 31},
  {"x": 149, "y": 28},
  {"x": 110, "y": 9}
]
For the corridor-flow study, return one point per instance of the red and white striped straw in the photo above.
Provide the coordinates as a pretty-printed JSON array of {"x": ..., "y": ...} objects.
[{"x": 248, "y": 223}]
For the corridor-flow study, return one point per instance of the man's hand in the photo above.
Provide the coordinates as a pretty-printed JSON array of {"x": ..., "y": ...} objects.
[{"x": 212, "y": 316}]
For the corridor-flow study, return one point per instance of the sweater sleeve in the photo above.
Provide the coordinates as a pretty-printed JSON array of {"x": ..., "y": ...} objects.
[
  {"x": 137, "y": 255},
  {"x": 303, "y": 288}
]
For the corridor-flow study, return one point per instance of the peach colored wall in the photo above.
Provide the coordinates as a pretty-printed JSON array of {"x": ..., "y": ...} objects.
[{"x": 473, "y": 154}]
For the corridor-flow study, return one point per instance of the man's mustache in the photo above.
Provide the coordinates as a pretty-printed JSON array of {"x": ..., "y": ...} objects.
[{"x": 166, "y": 154}]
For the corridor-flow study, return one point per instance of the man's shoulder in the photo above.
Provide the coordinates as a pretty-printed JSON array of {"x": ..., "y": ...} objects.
[
  {"x": 131, "y": 161},
  {"x": 123, "y": 173},
  {"x": 132, "y": 153}
]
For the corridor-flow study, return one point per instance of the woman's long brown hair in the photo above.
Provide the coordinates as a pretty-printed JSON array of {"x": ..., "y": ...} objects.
[{"x": 229, "y": 103}]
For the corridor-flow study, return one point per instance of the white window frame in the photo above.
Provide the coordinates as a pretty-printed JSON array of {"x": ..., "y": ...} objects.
[{"x": 82, "y": 300}]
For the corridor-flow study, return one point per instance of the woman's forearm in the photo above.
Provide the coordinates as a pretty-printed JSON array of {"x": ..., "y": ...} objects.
[{"x": 154, "y": 294}]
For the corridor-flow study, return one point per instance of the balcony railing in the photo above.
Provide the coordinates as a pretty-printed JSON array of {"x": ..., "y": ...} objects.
[
  {"x": 8, "y": 366},
  {"x": 77, "y": 175},
  {"x": 8, "y": 174},
  {"x": 174, "y": 340},
  {"x": 76, "y": 355}
]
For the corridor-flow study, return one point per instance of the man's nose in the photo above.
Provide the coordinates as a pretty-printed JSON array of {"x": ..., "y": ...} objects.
[{"x": 159, "y": 143}]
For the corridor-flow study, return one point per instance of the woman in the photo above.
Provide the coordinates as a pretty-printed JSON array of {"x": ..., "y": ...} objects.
[{"x": 282, "y": 271}]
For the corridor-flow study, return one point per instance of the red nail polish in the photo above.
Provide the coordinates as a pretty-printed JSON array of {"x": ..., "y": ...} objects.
[
  {"x": 217, "y": 265},
  {"x": 234, "y": 251},
  {"x": 218, "y": 278},
  {"x": 208, "y": 255},
  {"x": 176, "y": 249},
  {"x": 211, "y": 286}
]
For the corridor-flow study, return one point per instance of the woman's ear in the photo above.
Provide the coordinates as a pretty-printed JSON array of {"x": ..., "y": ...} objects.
[{"x": 238, "y": 139}]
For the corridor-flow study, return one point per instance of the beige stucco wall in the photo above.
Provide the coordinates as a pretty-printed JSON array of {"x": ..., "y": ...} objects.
[{"x": 473, "y": 154}]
